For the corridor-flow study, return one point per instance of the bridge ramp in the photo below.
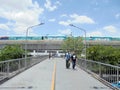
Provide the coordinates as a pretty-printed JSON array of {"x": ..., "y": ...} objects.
[{"x": 40, "y": 77}]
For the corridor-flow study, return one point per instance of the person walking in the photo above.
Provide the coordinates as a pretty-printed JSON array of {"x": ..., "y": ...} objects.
[
  {"x": 67, "y": 56},
  {"x": 50, "y": 55},
  {"x": 73, "y": 58}
]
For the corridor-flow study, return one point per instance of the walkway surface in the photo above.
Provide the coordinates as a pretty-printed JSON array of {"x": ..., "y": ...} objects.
[{"x": 40, "y": 77}]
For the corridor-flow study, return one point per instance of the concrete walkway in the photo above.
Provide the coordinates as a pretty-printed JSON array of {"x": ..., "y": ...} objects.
[{"x": 39, "y": 77}]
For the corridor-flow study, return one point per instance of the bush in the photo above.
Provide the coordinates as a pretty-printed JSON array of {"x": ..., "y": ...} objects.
[{"x": 11, "y": 52}]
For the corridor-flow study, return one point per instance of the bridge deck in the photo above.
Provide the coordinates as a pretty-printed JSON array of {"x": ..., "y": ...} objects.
[{"x": 39, "y": 77}]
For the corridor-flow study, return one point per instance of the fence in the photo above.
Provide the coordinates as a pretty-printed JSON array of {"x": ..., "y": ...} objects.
[
  {"x": 106, "y": 72},
  {"x": 10, "y": 68}
]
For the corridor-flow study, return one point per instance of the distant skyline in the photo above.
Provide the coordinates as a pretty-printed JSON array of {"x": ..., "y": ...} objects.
[{"x": 98, "y": 17}]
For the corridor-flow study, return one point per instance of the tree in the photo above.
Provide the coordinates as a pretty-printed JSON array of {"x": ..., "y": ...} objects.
[
  {"x": 92, "y": 52},
  {"x": 11, "y": 52},
  {"x": 105, "y": 54},
  {"x": 73, "y": 44}
]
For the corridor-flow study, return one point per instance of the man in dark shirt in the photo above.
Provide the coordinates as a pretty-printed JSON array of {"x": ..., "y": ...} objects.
[{"x": 73, "y": 58}]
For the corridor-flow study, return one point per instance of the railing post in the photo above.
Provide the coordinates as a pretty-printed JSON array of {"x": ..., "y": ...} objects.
[
  {"x": 8, "y": 69},
  {"x": 25, "y": 62},
  {"x": 117, "y": 74},
  {"x": 19, "y": 66},
  {"x": 85, "y": 64},
  {"x": 100, "y": 74}
]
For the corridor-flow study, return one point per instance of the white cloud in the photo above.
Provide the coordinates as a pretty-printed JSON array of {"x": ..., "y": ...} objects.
[
  {"x": 117, "y": 16},
  {"x": 110, "y": 29},
  {"x": 77, "y": 19},
  {"x": 52, "y": 20},
  {"x": 20, "y": 13},
  {"x": 81, "y": 19},
  {"x": 65, "y": 32},
  {"x": 4, "y": 26},
  {"x": 51, "y": 7},
  {"x": 65, "y": 23},
  {"x": 57, "y": 3},
  {"x": 64, "y": 15},
  {"x": 95, "y": 33}
]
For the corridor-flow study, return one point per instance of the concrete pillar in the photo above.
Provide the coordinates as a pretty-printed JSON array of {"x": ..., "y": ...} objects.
[
  {"x": 34, "y": 52},
  {"x": 57, "y": 52},
  {"x": 46, "y": 51}
]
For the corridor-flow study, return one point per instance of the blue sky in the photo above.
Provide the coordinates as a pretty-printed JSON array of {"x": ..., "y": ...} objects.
[{"x": 97, "y": 17}]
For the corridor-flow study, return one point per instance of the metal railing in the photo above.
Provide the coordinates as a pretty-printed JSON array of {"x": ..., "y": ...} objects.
[
  {"x": 12, "y": 67},
  {"x": 108, "y": 73}
]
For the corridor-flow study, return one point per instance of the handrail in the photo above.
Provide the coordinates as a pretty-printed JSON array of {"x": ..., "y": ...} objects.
[
  {"x": 10, "y": 68},
  {"x": 105, "y": 72},
  {"x": 103, "y": 63}
]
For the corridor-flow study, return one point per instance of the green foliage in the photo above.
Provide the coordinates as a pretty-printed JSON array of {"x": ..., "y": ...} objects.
[
  {"x": 73, "y": 44},
  {"x": 105, "y": 54},
  {"x": 11, "y": 52}
]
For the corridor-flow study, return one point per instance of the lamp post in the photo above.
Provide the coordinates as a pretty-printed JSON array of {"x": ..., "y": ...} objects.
[
  {"x": 85, "y": 36},
  {"x": 26, "y": 39}
]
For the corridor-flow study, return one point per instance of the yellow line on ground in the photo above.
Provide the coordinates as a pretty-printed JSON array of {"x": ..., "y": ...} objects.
[{"x": 53, "y": 77}]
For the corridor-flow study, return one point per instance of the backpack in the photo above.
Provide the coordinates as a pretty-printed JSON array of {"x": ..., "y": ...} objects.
[{"x": 68, "y": 56}]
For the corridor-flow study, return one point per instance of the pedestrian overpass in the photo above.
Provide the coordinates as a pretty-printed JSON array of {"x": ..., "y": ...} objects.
[
  {"x": 41, "y": 73},
  {"x": 53, "y": 43}
]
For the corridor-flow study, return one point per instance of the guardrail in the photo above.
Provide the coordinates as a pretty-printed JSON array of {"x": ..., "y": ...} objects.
[
  {"x": 105, "y": 72},
  {"x": 12, "y": 67}
]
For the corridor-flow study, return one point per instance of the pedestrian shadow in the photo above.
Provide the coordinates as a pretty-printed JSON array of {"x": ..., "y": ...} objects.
[{"x": 72, "y": 69}]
